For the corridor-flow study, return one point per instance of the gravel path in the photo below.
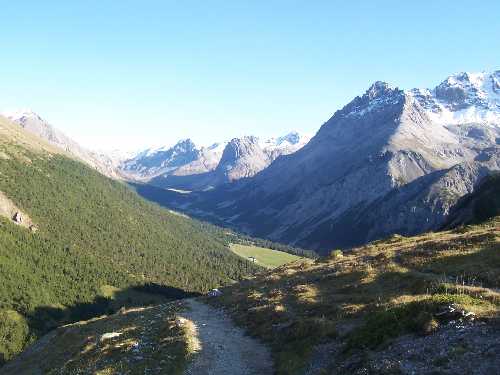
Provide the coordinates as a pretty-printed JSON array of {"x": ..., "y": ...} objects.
[{"x": 225, "y": 349}]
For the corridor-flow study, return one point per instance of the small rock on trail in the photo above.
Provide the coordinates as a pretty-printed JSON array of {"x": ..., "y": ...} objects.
[{"x": 225, "y": 349}]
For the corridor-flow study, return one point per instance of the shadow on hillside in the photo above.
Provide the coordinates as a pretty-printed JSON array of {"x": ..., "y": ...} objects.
[
  {"x": 163, "y": 197},
  {"x": 324, "y": 293},
  {"x": 479, "y": 268},
  {"x": 45, "y": 318}
]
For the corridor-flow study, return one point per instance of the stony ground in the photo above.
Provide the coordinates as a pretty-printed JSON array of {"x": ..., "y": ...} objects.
[{"x": 224, "y": 349}]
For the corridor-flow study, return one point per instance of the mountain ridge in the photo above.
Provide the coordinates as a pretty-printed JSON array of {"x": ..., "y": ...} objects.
[
  {"x": 35, "y": 124},
  {"x": 207, "y": 167},
  {"x": 369, "y": 151}
]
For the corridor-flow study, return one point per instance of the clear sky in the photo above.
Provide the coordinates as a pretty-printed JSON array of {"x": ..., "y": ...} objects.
[{"x": 125, "y": 74}]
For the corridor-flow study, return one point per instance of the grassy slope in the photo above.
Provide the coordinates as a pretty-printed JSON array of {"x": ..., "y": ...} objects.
[
  {"x": 92, "y": 232},
  {"x": 149, "y": 340},
  {"x": 265, "y": 257},
  {"x": 365, "y": 299}
]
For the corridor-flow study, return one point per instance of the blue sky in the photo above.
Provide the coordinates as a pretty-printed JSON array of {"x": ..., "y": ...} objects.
[{"x": 125, "y": 74}]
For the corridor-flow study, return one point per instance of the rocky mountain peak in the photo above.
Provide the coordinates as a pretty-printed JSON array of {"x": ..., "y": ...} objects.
[
  {"x": 379, "y": 95},
  {"x": 239, "y": 147},
  {"x": 22, "y": 115},
  {"x": 292, "y": 138},
  {"x": 378, "y": 89},
  {"x": 242, "y": 157},
  {"x": 185, "y": 145},
  {"x": 463, "y": 98}
]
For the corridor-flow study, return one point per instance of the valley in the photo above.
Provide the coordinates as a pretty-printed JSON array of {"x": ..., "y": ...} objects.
[
  {"x": 185, "y": 259},
  {"x": 263, "y": 257},
  {"x": 249, "y": 188},
  {"x": 390, "y": 161},
  {"x": 93, "y": 235}
]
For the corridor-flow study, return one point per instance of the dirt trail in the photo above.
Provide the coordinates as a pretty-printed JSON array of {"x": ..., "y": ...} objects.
[{"x": 225, "y": 349}]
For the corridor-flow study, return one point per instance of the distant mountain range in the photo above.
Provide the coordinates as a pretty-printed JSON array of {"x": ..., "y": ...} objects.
[
  {"x": 182, "y": 166},
  {"x": 390, "y": 161},
  {"x": 187, "y": 167},
  {"x": 36, "y": 125}
]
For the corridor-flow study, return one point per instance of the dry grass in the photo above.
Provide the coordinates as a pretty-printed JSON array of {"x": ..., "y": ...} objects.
[
  {"x": 135, "y": 341},
  {"x": 355, "y": 297}
]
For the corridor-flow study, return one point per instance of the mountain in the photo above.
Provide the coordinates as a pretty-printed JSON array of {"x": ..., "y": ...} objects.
[
  {"x": 151, "y": 163},
  {"x": 35, "y": 124},
  {"x": 242, "y": 158},
  {"x": 71, "y": 239},
  {"x": 284, "y": 145},
  {"x": 186, "y": 167},
  {"x": 390, "y": 161}
]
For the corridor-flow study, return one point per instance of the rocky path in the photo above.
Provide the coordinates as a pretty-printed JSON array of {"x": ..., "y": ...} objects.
[{"x": 224, "y": 348}]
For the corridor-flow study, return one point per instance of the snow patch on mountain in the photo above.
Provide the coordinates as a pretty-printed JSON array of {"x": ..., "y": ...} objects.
[
  {"x": 463, "y": 98},
  {"x": 187, "y": 166}
]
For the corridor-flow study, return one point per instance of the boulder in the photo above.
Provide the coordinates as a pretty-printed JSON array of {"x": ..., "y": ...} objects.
[{"x": 18, "y": 218}]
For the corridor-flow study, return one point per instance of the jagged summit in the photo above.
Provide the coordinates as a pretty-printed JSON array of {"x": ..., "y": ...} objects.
[
  {"x": 292, "y": 138},
  {"x": 21, "y": 113},
  {"x": 379, "y": 95},
  {"x": 205, "y": 167},
  {"x": 153, "y": 162},
  {"x": 463, "y": 98},
  {"x": 379, "y": 88}
]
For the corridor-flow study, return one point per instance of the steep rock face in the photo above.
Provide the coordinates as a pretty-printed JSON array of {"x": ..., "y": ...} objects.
[
  {"x": 389, "y": 161},
  {"x": 482, "y": 204},
  {"x": 242, "y": 157},
  {"x": 208, "y": 159},
  {"x": 36, "y": 125}
]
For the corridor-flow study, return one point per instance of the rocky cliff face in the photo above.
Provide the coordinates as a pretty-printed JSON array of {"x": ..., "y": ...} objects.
[
  {"x": 390, "y": 161},
  {"x": 242, "y": 157}
]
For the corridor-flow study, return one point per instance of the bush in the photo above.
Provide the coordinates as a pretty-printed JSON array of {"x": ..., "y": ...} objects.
[
  {"x": 14, "y": 334},
  {"x": 335, "y": 254}
]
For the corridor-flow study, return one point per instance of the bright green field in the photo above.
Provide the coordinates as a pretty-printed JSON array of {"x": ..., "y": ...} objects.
[{"x": 265, "y": 257}]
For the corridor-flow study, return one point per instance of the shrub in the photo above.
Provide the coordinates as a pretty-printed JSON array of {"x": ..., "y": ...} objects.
[
  {"x": 337, "y": 253},
  {"x": 14, "y": 334}
]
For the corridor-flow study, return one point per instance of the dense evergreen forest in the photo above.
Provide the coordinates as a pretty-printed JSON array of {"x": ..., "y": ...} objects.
[
  {"x": 93, "y": 234},
  {"x": 228, "y": 235}
]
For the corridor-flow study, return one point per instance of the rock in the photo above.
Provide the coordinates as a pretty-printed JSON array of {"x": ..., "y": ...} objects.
[
  {"x": 18, "y": 218},
  {"x": 214, "y": 293},
  {"x": 109, "y": 335},
  {"x": 453, "y": 312}
]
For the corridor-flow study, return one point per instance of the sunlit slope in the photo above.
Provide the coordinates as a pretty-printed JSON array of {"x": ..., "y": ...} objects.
[
  {"x": 355, "y": 304},
  {"x": 264, "y": 257}
]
